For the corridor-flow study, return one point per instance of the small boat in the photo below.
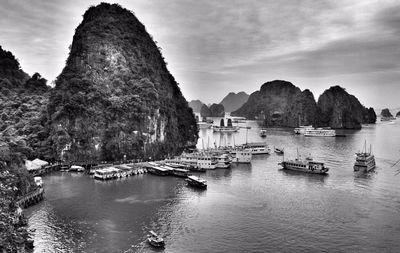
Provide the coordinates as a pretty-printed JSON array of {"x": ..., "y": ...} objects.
[
  {"x": 258, "y": 148},
  {"x": 279, "y": 151},
  {"x": 263, "y": 133},
  {"x": 196, "y": 181},
  {"x": 155, "y": 240},
  {"x": 240, "y": 155},
  {"x": 179, "y": 172}
]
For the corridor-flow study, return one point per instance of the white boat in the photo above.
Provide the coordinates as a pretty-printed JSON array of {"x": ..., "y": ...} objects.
[
  {"x": 155, "y": 240},
  {"x": 224, "y": 161},
  {"x": 258, "y": 148},
  {"x": 38, "y": 181},
  {"x": 196, "y": 181},
  {"x": 241, "y": 156},
  {"x": 302, "y": 129},
  {"x": 320, "y": 132},
  {"x": 107, "y": 173},
  {"x": 77, "y": 168},
  {"x": 365, "y": 161},
  {"x": 200, "y": 160}
]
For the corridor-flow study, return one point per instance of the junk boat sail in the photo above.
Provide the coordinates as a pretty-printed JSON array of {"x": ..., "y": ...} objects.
[
  {"x": 223, "y": 128},
  {"x": 365, "y": 161},
  {"x": 155, "y": 240},
  {"x": 196, "y": 181},
  {"x": 304, "y": 165}
]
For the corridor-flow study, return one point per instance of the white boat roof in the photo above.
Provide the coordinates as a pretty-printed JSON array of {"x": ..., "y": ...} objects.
[
  {"x": 197, "y": 179},
  {"x": 109, "y": 169}
]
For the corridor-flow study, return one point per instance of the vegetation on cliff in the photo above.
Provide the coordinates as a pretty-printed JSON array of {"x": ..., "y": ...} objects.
[
  {"x": 339, "y": 109},
  {"x": 217, "y": 110},
  {"x": 233, "y": 101},
  {"x": 205, "y": 111},
  {"x": 115, "y": 97},
  {"x": 280, "y": 103},
  {"x": 14, "y": 182}
]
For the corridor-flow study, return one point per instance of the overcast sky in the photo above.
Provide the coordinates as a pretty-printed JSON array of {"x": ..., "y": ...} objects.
[{"x": 214, "y": 47}]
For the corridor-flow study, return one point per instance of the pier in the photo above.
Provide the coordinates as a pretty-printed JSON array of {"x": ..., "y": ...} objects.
[{"x": 31, "y": 198}]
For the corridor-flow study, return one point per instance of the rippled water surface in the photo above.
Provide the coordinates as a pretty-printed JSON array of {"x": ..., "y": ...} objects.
[{"x": 248, "y": 208}]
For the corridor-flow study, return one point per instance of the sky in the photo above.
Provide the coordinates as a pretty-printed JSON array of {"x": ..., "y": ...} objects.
[{"x": 216, "y": 47}]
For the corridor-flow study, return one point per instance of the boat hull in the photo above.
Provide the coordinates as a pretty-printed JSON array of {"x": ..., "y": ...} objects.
[
  {"x": 365, "y": 168},
  {"x": 304, "y": 170}
]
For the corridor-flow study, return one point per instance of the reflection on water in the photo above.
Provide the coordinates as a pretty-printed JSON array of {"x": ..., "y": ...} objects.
[{"x": 255, "y": 207}]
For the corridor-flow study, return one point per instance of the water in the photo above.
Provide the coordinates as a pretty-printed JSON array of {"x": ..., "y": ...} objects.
[{"x": 248, "y": 208}]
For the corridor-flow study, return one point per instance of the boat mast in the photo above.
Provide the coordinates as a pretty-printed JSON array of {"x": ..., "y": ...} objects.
[{"x": 297, "y": 153}]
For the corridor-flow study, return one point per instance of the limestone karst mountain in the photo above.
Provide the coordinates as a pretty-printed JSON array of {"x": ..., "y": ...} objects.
[
  {"x": 234, "y": 101},
  {"x": 115, "y": 98}
]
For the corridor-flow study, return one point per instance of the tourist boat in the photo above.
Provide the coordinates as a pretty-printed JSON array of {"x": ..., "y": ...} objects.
[
  {"x": 302, "y": 129},
  {"x": 224, "y": 161},
  {"x": 200, "y": 160},
  {"x": 77, "y": 168},
  {"x": 365, "y": 161},
  {"x": 155, "y": 240},
  {"x": 258, "y": 148},
  {"x": 320, "y": 132},
  {"x": 241, "y": 156},
  {"x": 238, "y": 119},
  {"x": 156, "y": 169},
  {"x": 306, "y": 165},
  {"x": 107, "y": 173},
  {"x": 196, "y": 181},
  {"x": 279, "y": 151},
  {"x": 263, "y": 133},
  {"x": 178, "y": 172}
]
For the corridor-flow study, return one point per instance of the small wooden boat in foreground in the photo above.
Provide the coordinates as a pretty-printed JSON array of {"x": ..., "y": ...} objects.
[
  {"x": 155, "y": 240},
  {"x": 279, "y": 151},
  {"x": 196, "y": 181}
]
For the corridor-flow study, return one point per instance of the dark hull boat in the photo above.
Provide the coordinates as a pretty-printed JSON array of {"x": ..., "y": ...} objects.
[
  {"x": 307, "y": 166},
  {"x": 279, "y": 151}
]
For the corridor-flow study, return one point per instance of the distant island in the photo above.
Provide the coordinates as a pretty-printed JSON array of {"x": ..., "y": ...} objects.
[
  {"x": 280, "y": 103},
  {"x": 234, "y": 101},
  {"x": 196, "y": 105}
]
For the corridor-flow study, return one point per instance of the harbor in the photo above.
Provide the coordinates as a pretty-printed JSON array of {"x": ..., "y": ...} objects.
[{"x": 267, "y": 198}]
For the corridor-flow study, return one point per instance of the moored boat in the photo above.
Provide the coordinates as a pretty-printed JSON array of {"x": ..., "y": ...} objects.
[
  {"x": 196, "y": 181},
  {"x": 156, "y": 169},
  {"x": 258, "y": 148},
  {"x": 155, "y": 240},
  {"x": 224, "y": 161},
  {"x": 365, "y": 161},
  {"x": 107, "y": 173},
  {"x": 241, "y": 155},
  {"x": 302, "y": 129}
]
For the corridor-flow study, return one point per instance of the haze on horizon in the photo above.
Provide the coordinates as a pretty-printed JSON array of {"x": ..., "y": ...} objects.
[{"x": 215, "y": 47}]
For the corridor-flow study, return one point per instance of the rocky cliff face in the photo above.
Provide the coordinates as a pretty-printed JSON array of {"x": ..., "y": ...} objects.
[
  {"x": 217, "y": 110},
  {"x": 386, "y": 113},
  {"x": 280, "y": 103},
  {"x": 115, "y": 98},
  {"x": 234, "y": 101},
  {"x": 205, "y": 111},
  {"x": 339, "y": 109},
  {"x": 196, "y": 105}
]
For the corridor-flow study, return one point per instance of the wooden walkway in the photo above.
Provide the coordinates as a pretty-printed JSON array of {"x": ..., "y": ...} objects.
[{"x": 31, "y": 198}]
